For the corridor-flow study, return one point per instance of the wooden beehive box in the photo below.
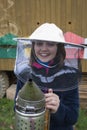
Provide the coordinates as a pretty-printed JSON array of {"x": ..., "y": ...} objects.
[{"x": 83, "y": 91}]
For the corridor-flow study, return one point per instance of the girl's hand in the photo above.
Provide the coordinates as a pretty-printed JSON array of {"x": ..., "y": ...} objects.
[{"x": 52, "y": 101}]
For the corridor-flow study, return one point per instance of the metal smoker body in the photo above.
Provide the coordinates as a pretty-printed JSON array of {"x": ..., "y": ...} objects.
[{"x": 30, "y": 112}]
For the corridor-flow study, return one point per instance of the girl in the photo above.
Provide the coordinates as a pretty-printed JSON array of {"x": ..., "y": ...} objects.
[{"x": 55, "y": 78}]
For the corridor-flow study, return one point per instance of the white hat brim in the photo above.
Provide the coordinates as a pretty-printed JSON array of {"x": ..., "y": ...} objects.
[{"x": 28, "y": 40}]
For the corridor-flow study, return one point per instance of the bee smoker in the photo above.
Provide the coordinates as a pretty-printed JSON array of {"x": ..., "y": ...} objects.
[{"x": 30, "y": 112}]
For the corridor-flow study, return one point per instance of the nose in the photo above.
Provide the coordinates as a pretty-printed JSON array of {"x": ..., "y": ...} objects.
[{"x": 44, "y": 46}]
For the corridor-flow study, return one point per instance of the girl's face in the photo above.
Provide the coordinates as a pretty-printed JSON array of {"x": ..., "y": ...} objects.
[{"x": 45, "y": 51}]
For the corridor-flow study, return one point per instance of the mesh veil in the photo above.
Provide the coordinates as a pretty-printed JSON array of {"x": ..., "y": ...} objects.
[{"x": 73, "y": 56}]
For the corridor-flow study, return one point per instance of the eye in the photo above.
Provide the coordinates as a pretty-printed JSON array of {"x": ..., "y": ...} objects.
[
  {"x": 51, "y": 44},
  {"x": 38, "y": 44}
]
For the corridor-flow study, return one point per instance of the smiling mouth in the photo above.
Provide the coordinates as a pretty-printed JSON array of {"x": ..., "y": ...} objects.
[{"x": 44, "y": 54}]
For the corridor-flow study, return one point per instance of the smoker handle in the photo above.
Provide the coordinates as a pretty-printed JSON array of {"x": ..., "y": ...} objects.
[{"x": 47, "y": 120}]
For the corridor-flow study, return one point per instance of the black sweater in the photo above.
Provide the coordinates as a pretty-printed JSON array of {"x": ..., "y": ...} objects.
[{"x": 65, "y": 84}]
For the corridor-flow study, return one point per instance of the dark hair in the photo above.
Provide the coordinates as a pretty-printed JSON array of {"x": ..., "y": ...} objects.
[{"x": 60, "y": 56}]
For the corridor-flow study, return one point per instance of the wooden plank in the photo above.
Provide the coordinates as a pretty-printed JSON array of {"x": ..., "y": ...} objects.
[
  {"x": 84, "y": 18},
  {"x": 68, "y": 15},
  {"x": 83, "y": 91},
  {"x": 58, "y": 12},
  {"x": 84, "y": 65},
  {"x": 48, "y": 10},
  {"x": 77, "y": 16},
  {"x": 7, "y": 64},
  {"x": 63, "y": 15}
]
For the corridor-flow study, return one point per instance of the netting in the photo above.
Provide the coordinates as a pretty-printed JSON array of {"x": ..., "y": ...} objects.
[
  {"x": 22, "y": 68},
  {"x": 73, "y": 56}
]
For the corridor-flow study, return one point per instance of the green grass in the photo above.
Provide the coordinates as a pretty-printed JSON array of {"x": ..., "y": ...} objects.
[
  {"x": 82, "y": 121},
  {"x": 7, "y": 116}
]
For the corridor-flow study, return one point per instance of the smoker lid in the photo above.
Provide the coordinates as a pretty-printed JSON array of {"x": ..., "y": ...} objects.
[
  {"x": 31, "y": 92},
  {"x": 30, "y": 98}
]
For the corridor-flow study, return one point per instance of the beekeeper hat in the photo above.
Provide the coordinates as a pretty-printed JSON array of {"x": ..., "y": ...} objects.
[{"x": 49, "y": 32}]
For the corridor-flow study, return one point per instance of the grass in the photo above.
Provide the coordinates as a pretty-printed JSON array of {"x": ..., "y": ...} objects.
[
  {"x": 7, "y": 116},
  {"x": 82, "y": 121}
]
